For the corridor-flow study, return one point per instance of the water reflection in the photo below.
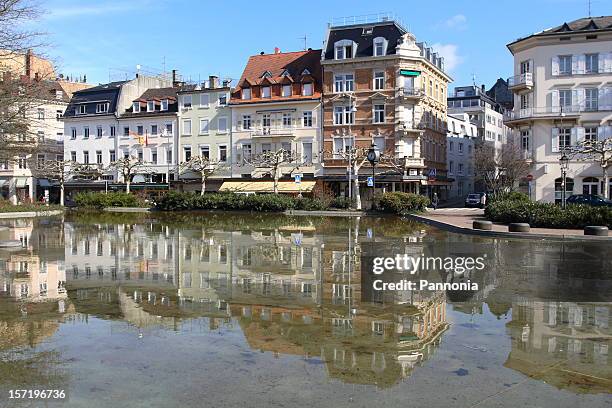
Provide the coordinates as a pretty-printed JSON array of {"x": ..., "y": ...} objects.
[{"x": 303, "y": 287}]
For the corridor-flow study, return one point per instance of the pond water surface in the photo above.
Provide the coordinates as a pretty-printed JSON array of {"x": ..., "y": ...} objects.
[{"x": 235, "y": 310}]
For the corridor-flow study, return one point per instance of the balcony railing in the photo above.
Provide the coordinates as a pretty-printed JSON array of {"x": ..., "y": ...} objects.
[
  {"x": 270, "y": 131},
  {"x": 410, "y": 93},
  {"x": 546, "y": 111},
  {"x": 521, "y": 81}
]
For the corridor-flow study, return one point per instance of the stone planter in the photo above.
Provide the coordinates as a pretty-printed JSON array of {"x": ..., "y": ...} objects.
[
  {"x": 596, "y": 230},
  {"x": 482, "y": 225},
  {"x": 518, "y": 227}
]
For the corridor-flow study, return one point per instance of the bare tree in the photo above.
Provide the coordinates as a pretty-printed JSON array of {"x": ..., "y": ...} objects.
[
  {"x": 357, "y": 157},
  {"x": 128, "y": 167},
  {"x": 275, "y": 163},
  {"x": 599, "y": 152},
  {"x": 60, "y": 171},
  {"x": 499, "y": 171},
  {"x": 203, "y": 167}
]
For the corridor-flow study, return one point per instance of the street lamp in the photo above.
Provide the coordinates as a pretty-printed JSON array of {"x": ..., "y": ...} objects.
[
  {"x": 373, "y": 157},
  {"x": 564, "y": 163}
]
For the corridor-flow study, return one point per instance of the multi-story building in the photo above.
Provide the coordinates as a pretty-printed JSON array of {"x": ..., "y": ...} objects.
[
  {"x": 147, "y": 131},
  {"x": 563, "y": 96},
  {"x": 205, "y": 130},
  {"x": 91, "y": 124},
  {"x": 383, "y": 88},
  {"x": 460, "y": 155},
  {"x": 276, "y": 105},
  {"x": 483, "y": 110}
]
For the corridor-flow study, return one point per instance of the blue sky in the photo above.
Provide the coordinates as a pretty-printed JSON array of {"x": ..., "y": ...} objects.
[{"x": 107, "y": 39}]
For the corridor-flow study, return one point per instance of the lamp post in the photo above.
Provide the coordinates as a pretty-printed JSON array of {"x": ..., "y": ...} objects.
[
  {"x": 352, "y": 110},
  {"x": 373, "y": 157},
  {"x": 564, "y": 163}
]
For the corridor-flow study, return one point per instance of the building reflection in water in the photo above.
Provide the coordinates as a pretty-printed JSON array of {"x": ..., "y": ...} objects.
[{"x": 303, "y": 287}]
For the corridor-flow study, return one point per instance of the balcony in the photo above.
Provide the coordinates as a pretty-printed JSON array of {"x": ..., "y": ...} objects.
[
  {"x": 545, "y": 112},
  {"x": 411, "y": 127},
  {"x": 523, "y": 82},
  {"x": 410, "y": 94},
  {"x": 271, "y": 132}
]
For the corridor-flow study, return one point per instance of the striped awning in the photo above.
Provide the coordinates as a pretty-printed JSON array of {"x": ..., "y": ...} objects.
[{"x": 267, "y": 186}]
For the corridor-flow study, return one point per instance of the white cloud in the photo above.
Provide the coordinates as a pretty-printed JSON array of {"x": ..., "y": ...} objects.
[
  {"x": 452, "y": 59},
  {"x": 456, "y": 22}
]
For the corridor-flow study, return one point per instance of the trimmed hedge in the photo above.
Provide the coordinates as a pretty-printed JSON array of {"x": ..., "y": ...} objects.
[
  {"x": 6, "y": 206},
  {"x": 341, "y": 202},
  {"x": 175, "y": 201},
  {"x": 510, "y": 196},
  {"x": 111, "y": 199},
  {"x": 401, "y": 203},
  {"x": 548, "y": 215}
]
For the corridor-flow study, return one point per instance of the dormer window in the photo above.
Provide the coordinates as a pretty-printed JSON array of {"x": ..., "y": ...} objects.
[
  {"x": 344, "y": 49},
  {"x": 266, "y": 74},
  {"x": 265, "y": 92},
  {"x": 59, "y": 94},
  {"x": 136, "y": 107},
  {"x": 246, "y": 93},
  {"x": 367, "y": 30},
  {"x": 285, "y": 73},
  {"x": 164, "y": 105},
  {"x": 307, "y": 89},
  {"x": 102, "y": 107},
  {"x": 286, "y": 91},
  {"x": 306, "y": 72},
  {"x": 150, "y": 106},
  {"x": 380, "y": 46},
  {"x": 81, "y": 110}
]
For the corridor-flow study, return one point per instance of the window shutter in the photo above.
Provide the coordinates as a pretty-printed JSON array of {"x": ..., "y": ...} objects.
[
  {"x": 575, "y": 64},
  {"x": 555, "y": 140},
  {"x": 531, "y": 66},
  {"x": 554, "y": 100},
  {"x": 603, "y": 61},
  {"x": 581, "y": 100},
  {"x": 607, "y": 98},
  {"x": 601, "y": 133},
  {"x": 575, "y": 100},
  {"x": 579, "y": 135},
  {"x": 555, "y": 65},
  {"x": 581, "y": 64},
  {"x": 574, "y": 136}
]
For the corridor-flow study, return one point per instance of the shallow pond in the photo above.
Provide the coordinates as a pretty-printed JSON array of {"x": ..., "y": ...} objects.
[{"x": 228, "y": 310}]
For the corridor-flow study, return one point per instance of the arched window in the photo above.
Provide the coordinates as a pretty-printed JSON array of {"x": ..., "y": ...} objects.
[
  {"x": 569, "y": 189},
  {"x": 380, "y": 46},
  {"x": 590, "y": 185},
  {"x": 345, "y": 49}
]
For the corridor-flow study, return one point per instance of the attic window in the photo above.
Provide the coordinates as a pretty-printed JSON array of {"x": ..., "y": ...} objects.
[
  {"x": 81, "y": 110},
  {"x": 150, "y": 106},
  {"x": 246, "y": 93},
  {"x": 285, "y": 73},
  {"x": 164, "y": 105},
  {"x": 266, "y": 74},
  {"x": 367, "y": 30},
  {"x": 344, "y": 49},
  {"x": 306, "y": 72},
  {"x": 380, "y": 46},
  {"x": 136, "y": 107},
  {"x": 591, "y": 37},
  {"x": 102, "y": 107},
  {"x": 59, "y": 94}
]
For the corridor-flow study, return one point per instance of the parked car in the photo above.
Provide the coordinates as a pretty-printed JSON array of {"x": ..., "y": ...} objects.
[
  {"x": 475, "y": 200},
  {"x": 589, "y": 199}
]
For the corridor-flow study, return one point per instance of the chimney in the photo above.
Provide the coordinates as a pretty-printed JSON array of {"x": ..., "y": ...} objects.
[
  {"x": 213, "y": 81},
  {"x": 28, "y": 63},
  {"x": 277, "y": 50},
  {"x": 226, "y": 83},
  {"x": 482, "y": 87},
  {"x": 174, "y": 79}
]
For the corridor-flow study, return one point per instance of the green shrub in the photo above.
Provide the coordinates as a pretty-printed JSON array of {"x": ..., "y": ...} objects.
[
  {"x": 510, "y": 196},
  {"x": 111, "y": 199},
  {"x": 309, "y": 204},
  {"x": 175, "y": 201},
  {"x": 548, "y": 215},
  {"x": 401, "y": 203},
  {"x": 7, "y": 206},
  {"x": 341, "y": 202}
]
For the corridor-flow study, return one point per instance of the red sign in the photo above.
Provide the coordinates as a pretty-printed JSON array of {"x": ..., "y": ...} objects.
[{"x": 530, "y": 177}]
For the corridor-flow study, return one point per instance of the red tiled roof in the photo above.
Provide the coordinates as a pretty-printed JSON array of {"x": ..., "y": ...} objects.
[{"x": 276, "y": 64}]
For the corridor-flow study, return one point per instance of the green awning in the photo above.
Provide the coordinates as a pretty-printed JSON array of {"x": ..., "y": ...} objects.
[{"x": 409, "y": 72}]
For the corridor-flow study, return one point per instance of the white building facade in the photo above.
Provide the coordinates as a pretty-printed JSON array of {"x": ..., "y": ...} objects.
[
  {"x": 563, "y": 95},
  {"x": 460, "y": 140}
]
